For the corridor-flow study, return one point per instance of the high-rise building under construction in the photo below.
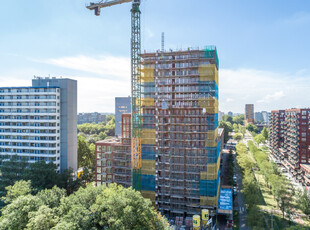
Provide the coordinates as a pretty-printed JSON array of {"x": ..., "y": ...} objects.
[
  {"x": 181, "y": 142},
  {"x": 181, "y": 147}
]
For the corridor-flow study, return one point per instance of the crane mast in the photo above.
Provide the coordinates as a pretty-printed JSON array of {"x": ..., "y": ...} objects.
[{"x": 136, "y": 122}]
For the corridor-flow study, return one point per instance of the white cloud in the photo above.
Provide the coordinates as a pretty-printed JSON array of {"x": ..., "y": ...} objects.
[
  {"x": 273, "y": 90},
  {"x": 98, "y": 95},
  {"x": 101, "y": 79},
  {"x": 13, "y": 81},
  {"x": 106, "y": 66},
  {"x": 272, "y": 97}
]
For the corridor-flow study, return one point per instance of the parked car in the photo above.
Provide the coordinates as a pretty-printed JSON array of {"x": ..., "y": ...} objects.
[
  {"x": 235, "y": 179},
  {"x": 235, "y": 191}
]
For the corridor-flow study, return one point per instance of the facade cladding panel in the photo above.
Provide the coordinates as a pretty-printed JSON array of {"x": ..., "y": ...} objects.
[
  {"x": 36, "y": 123},
  {"x": 290, "y": 141},
  {"x": 180, "y": 142},
  {"x": 122, "y": 105}
]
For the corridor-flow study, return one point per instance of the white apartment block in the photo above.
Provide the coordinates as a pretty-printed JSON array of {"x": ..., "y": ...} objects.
[{"x": 32, "y": 124}]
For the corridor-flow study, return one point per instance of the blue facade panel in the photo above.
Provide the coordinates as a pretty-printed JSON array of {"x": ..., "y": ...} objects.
[
  {"x": 148, "y": 182},
  {"x": 148, "y": 152}
]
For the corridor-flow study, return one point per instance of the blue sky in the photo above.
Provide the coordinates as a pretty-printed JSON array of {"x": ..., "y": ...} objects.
[{"x": 263, "y": 46}]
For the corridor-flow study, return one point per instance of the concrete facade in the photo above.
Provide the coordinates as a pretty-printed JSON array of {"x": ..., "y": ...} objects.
[{"x": 68, "y": 118}]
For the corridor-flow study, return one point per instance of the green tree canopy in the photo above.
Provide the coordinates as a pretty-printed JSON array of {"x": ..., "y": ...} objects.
[
  {"x": 227, "y": 129},
  {"x": 238, "y": 119},
  {"x": 20, "y": 188},
  {"x": 238, "y": 136},
  {"x": 259, "y": 139},
  {"x": 227, "y": 118},
  {"x": 252, "y": 128},
  {"x": 101, "y": 207},
  {"x": 303, "y": 202},
  {"x": 265, "y": 133}
]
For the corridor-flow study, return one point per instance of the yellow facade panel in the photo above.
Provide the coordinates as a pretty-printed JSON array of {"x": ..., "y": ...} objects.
[
  {"x": 213, "y": 134},
  {"x": 211, "y": 143},
  {"x": 203, "y": 175},
  {"x": 148, "y": 136},
  {"x": 208, "y": 200},
  {"x": 208, "y": 73},
  {"x": 211, "y": 104},
  {"x": 146, "y": 102},
  {"x": 148, "y": 167},
  {"x": 149, "y": 195},
  {"x": 147, "y": 74}
]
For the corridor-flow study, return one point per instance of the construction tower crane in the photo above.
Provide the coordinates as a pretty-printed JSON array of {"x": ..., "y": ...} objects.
[{"x": 135, "y": 84}]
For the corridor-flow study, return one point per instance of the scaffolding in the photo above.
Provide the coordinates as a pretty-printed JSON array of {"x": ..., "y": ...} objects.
[{"x": 180, "y": 144}]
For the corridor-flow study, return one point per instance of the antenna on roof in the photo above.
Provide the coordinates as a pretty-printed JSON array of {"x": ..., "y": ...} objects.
[{"x": 162, "y": 42}]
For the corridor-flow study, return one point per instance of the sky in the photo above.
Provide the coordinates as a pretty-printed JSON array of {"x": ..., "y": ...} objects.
[{"x": 263, "y": 47}]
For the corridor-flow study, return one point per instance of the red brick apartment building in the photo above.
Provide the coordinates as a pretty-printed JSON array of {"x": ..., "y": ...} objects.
[
  {"x": 290, "y": 141},
  {"x": 113, "y": 157},
  {"x": 249, "y": 114}
]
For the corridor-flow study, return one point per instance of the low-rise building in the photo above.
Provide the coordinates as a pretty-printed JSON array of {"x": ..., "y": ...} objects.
[{"x": 113, "y": 157}]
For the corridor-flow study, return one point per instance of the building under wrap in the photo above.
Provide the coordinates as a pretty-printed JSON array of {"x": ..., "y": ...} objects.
[{"x": 180, "y": 141}]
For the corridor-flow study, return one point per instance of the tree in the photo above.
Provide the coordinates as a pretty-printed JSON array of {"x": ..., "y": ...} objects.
[
  {"x": 85, "y": 157},
  {"x": 15, "y": 215},
  {"x": 259, "y": 139},
  {"x": 265, "y": 133},
  {"x": 120, "y": 208},
  {"x": 227, "y": 129},
  {"x": 42, "y": 175},
  {"x": 42, "y": 219},
  {"x": 20, "y": 188},
  {"x": 93, "y": 207},
  {"x": 238, "y": 136},
  {"x": 255, "y": 217},
  {"x": 52, "y": 197},
  {"x": 252, "y": 128},
  {"x": 236, "y": 128},
  {"x": 227, "y": 118},
  {"x": 12, "y": 170},
  {"x": 238, "y": 119},
  {"x": 303, "y": 202}
]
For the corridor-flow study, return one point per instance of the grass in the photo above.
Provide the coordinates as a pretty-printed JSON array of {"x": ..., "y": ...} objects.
[{"x": 269, "y": 201}]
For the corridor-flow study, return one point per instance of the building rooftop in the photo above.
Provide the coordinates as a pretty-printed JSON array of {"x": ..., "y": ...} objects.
[{"x": 113, "y": 140}]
